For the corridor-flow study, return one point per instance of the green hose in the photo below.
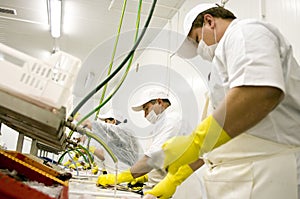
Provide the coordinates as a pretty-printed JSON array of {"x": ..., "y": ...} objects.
[
  {"x": 129, "y": 56},
  {"x": 97, "y": 109},
  {"x": 91, "y": 135},
  {"x": 74, "y": 149},
  {"x": 114, "y": 158},
  {"x": 113, "y": 54},
  {"x": 121, "y": 65},
  {"x": 91, "y": 159},
  {"x": 128, "y": 66}
]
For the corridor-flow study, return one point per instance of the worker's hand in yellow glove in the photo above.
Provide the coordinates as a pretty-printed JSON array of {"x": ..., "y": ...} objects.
[
  {"x": 95, "y": 170},
  {"x": 138, "y": 183},
  {"x": 139, "y": 180},
  {"x": 73, "y": 166},
  {"x": 110, "y": 179},
  {"x": 183, "y": 150},
  {"x": 167, "y": 187}
]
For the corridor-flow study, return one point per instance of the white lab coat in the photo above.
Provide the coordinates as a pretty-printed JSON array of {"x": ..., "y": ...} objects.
[
  {"x": 171, "y": 124},
  {"x": 255, "y": 54}
]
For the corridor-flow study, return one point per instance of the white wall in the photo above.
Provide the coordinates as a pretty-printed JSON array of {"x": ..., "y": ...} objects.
[
  {"x": 285, "y": 14},
  {"x": 9, "y": 138}
]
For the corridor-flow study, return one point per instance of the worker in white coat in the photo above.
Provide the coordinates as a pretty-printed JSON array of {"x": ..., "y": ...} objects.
[
  {"x": 111, "y": 127},
  {"x": 251, "y": 140},
  {"x": 115, "y": 132},
  {"x": 167, "y": 123}
]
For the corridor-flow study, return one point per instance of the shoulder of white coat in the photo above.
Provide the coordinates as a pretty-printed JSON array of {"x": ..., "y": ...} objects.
[
  {"x": 172, "y": 114},
  {"x": 248, "y": 28}
]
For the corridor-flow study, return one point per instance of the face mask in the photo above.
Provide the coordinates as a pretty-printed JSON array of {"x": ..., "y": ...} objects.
[
  {"x": 152, "y": 117},
  {"x": 205, "y": 51}
]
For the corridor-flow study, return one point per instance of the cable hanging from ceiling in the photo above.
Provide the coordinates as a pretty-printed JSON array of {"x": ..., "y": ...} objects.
[
  {"x": 95, "y": 90},
  {"x": 103, "y": 102}
]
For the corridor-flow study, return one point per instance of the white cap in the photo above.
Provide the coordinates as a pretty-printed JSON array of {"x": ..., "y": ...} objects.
[
  {"x": 148, "y": 95},
  {"x": 112, "y": 113},
  {"x": 188, "y": 49},
  {"x": 193, "y": 13}
]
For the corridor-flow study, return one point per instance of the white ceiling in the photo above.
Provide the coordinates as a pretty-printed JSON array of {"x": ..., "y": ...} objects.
[{"x": 85, "y": 23}]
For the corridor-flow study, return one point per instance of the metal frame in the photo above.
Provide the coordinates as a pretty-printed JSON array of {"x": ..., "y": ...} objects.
[{"x": 43, "y": 124}]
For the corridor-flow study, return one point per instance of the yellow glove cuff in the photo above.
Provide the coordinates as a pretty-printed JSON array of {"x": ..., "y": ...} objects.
[
  {"x": 183, "y": 173},
  {"x": 183, "y": 150},
  {"x": 209, "y": 135}
]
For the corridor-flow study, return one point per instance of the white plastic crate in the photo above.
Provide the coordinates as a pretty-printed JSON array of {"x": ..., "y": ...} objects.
[{"x": 49, "y": 83}]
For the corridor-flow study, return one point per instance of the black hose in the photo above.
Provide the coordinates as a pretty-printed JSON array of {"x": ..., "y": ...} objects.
[{"x": 95, "y": 90}]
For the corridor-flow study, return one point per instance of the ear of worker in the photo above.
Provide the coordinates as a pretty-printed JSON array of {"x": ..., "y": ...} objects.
[{"x": 183, "y": 150}]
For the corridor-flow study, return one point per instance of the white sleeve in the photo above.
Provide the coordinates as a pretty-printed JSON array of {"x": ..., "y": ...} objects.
[
  {"x": 166, "y": 130},
  {"x": 253, "y": 57}
]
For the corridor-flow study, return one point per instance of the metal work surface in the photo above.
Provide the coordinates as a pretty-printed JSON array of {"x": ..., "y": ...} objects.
[{"x": 87, "y": 189}]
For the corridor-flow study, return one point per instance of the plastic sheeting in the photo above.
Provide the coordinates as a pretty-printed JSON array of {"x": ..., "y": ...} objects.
[{"x": 119, "y": 139}]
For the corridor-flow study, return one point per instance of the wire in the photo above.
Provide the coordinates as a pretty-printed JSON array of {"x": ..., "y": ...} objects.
[
  {"x": 124, "y": 76},
  {"x": 95, "y": 90},
  {"x": 122, "y": 79},
  {"x": 113, "y": 54}
]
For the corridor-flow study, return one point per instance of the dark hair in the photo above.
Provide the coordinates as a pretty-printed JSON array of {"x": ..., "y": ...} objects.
[
  {"x": 117, "y": 121},
  {"x": 164, "y": 100},
  {"x": 218, "y": 12}
]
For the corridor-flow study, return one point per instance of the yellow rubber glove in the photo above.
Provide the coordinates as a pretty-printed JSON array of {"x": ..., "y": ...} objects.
[
  {"x": 72, "y": 166},
  {"x": 183, "y": 150},
  {"x": 140, "y": 179},
  {"x": 85, "y": 165},
  {"x": 95, "y": 170},
  {"x": 67, "y": 163},
  {"x": 76, "y": 157},
  {"x": 110, "y": 179},
  {"x": 167, "y": 187},
  {"x": 92, "y": 149}
]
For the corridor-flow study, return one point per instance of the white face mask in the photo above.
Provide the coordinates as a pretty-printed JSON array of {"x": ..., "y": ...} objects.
[
  {"x": 152, "y": 117},
  {"x": 205, "y": 51}
]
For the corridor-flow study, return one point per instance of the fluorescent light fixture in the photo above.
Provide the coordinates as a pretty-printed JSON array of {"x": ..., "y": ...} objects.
[{"x": 55, "y": 18}]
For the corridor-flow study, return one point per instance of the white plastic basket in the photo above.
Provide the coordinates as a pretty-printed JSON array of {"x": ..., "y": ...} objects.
[{"x": 49, "y": 83}]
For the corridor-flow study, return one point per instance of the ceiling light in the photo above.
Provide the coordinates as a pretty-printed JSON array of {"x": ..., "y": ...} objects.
[{"x": 55, "y": 18}]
